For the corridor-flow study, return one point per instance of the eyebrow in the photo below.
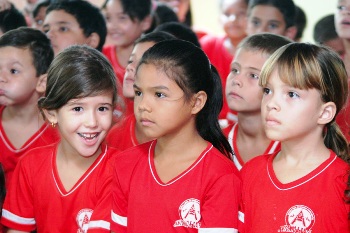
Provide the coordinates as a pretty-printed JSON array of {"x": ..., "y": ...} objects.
[
  {"x": 161, "y": 87},
  {"x": 58, "y": 23}
]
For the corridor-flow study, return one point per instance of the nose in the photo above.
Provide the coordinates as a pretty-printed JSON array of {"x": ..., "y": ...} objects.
[
  {"x": 90, "y": 120},
  {"x": 3, "y": 78},
  {"x": 141, "y": 104},
  {"x": 270, "y": 102},
  {"x": 234, "y": 79}
]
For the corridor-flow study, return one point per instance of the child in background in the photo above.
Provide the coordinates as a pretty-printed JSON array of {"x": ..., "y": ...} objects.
[
  {"x": 25, "y": 56},
  {"x": 127, "y": 133},
  {"x": 74, "y": 22},
  {"x": 273, "y": 16},
  {"x": 300, "y": 188},
  {"x": 190, "y": 183},
  {"x": 300, "y": 23},
  {"x": 11, "y": 18},
  {"x": 244, "y": 96},
  {"x": 65, "y": 187},
  {"x": 126, "y": 21},
  {"x": 220, "y": 50},
  {"x": 325, "y": 34},
  {"x": 341, "y": 26},
  {"x": 39, "y": 13}
]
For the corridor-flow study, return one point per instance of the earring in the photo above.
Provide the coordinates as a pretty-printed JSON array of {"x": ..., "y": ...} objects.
[{"x": 53, "y": 125}]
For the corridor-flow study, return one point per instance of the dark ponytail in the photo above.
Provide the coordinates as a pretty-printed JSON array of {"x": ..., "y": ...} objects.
[{"x": 207, "y": 122}]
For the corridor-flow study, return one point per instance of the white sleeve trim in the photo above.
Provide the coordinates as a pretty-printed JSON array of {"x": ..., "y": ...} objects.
[
  {"x": 100, "y": 224},
  {"x": 217, "y": 230},
  {"x": 119, "y": 219},
  {"x": 17, "y": 219},
  {"x": 241, "y": 216}
]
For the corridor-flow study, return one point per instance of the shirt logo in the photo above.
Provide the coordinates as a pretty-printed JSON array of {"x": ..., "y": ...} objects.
[
  {"x": 83, "y": 219},
  {"x": 189, "y": 212},
  {"x": 299, "y": 219}
]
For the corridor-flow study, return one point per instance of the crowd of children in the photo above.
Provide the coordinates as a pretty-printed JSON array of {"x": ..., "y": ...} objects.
[{"x": 123, "y": 118}]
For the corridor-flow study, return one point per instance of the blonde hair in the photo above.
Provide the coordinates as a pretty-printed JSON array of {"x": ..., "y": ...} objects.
[{"x": 306, "y": 66}]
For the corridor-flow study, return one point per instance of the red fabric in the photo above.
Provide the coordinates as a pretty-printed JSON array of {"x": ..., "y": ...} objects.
[
  {"x": 122, "y": 135},
  {"x": 221, "y": 59},
  {"x": 205, "y": 195},
  {"x": 10, "y": 155},
  {"x": 343, "y": 119},
  {"x": 313, "y": 203},
  {"x": 231, "y": 134},
  {"x": 43, "y": 202}
]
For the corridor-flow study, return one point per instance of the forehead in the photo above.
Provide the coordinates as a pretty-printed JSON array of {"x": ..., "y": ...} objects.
[
  {"x": 141, "y": 48},
  {"x": 13, "y": 54},
  {"x": 249, "y": 58},
  {"x": 232, "y": 4},
  {"x": 266, "y": 12},
  {"x": 60, "y": 16}
]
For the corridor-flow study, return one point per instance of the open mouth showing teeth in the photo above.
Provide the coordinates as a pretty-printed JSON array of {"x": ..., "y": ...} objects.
[{"x": 88, "y": 136}]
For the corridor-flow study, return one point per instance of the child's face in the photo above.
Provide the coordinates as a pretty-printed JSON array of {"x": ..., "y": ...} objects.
[
  {"x": 129, "y": 77},
  {"x": 157, "y": 100},
  {"x": 121, "y": 30},
  {"x": 18, "y": 79},
  {"x": 342, "y": 19},
  {"x": 266, "y": 19},
  {"x": 289, "y": 113},
  {"x": 38, "y": 21},
  {"x": 243, "y": 92},
  {"x": 180, "y": 7},
  {"x": 83, "y": 124},
  {"x": 233, "y": 18},
  {"x": 63, "y": 30}
]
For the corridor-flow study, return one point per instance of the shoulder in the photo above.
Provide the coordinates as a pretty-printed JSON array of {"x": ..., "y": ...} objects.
[
  {"x": 257, "y": 163},
  {"x": 131, "y": 156},
  {"x": 36, "y": 157},
  {"x": 210, "y": 41}
]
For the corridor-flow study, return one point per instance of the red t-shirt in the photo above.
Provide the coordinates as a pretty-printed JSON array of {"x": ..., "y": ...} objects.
[
  {"x": 42, "y": 202},
  {"x": 122, "y": 135},
  {"x": 231, "y": 134},
  {"x": 205, "y": 197},
  {"x": 221, "y": 59},
  {"x": 313, "y": 203},
  {"x": 9, "y": 155}
]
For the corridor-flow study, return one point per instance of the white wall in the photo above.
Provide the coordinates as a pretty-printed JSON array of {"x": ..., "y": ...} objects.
[{"x": 206, "y": 14}]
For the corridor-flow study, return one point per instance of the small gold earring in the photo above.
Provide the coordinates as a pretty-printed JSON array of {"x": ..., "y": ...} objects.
[{"x": 53, "y": 125}]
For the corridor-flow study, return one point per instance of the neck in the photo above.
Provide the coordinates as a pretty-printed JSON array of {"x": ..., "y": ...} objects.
[{"x": 251, "y": 125}]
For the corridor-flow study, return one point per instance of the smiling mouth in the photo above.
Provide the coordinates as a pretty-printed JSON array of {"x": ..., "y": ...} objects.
[{"x": 88, "y": 136}]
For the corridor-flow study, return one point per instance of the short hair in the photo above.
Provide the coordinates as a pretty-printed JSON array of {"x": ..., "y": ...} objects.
[
  {"x": 266, "y": 43},
  {"x": 78, "y": 71},
  {"x": 135, "y": 9},
  {"x": 324, "y": 29},
  {"x": 11, "y": 18},
  {"x": 180, "y": 31},
  {"x": 39, "y": 5},
  {"x": 286, "y": 7},
  {"x": 34, "y": 40},
  {"x": 89, "y": 17},
  {"x": 300, "y": 22},
  {"x": 154, "y": 37}
]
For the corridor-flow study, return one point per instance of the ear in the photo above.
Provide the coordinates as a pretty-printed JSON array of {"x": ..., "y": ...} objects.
[
  {"x": 51, "y": 116},
  {"x": 291, "y": 32},
  {"x": 327, "y": 114},
  {"x": 93, "y": 40},
  {"x": 146, "y": 23},
  {"x": 199, "y": 101},
  {"x": 41, "y": 84}
]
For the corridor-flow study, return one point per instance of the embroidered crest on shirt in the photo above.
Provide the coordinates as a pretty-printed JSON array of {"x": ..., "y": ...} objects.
[
  {"x": 83, "y": 219},
  {"x": 299, "y": 219},
  {"x": 189, "y": 212}
]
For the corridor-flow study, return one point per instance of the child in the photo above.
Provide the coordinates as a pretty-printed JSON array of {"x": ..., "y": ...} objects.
[
  {"x": 65, "y": 187},
  {"x": 74, "y": 22},
  {"x": 300, "y": 188},
  {"x": 25, "y": 56},
  {"x": 127, "y": 133},
  {"x": 38, "y": 14},
  {"x": 182, "y": 181},
  {"x": 11, "y": 18},
  {"x": 220, "y": 50},
  {"x": 126, "y": 21},
  {"x": 244, "y": 95},
  {"x": 273, "y": 16},
  {"x": 325, "y": 34}
]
